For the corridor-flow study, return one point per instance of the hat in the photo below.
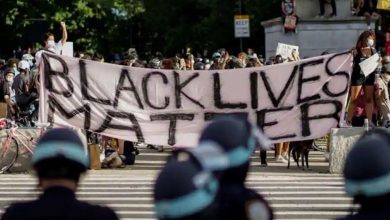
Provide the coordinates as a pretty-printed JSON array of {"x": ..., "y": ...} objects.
[
  {"x": 216, "y": 54},
  {"x": 183, "y": 189},
  {"x": 367, "y": 168},
  {"x": 10, "y": 70},
  {"x": 60, "y": 143},
  {"x": 24, "y": 65},
  {"x": 252, "y": 56}
]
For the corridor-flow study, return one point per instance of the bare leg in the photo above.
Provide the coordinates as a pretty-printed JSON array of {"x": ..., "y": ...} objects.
[
  {"x": 369, "y": 96},
  {"x": 355, "y": 92}
]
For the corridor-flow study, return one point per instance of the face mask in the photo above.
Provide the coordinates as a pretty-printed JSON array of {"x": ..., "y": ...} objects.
[
  {"x": 51, "y": 43},
  {"x": 9, "y": 79},
  {"x": 370, "y": 42}
]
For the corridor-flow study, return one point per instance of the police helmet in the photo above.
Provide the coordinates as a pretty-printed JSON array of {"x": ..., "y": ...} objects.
[
  {"x": 183, "y": 190},
  {"x": 367, "y": 168},
  {"x": 60, "y": 154}
]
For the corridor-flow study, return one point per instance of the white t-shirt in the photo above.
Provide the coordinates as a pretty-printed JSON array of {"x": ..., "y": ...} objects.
[{"x": 57, "y": 49}]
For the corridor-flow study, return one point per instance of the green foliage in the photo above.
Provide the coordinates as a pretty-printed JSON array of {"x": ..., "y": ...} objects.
[
  {"x": 109, "y": 26},
  {"x": 90, "y": 23},
  {"x": 204, "y": 24}
]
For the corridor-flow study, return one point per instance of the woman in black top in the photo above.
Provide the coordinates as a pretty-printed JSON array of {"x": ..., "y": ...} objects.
[{"x": 365, "y": 48}]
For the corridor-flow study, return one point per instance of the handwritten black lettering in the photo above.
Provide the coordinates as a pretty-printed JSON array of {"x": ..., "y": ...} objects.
[
  {"x": 50, "y": 73},
  {"x": 218, "y": 99},
  {"x": 84, "y": 86},
  {"x": 125, "y": 75},
  {"x": 306, "y": 118},
  {"x": 262, "y": 122},
  {"x": 179, "y": 89},
  {"x": 344, "y": 74},
  {"x": 145, "y": 81},
  {"x": 287, "y": 87},
  {"x": 123, "y": 115},
  {"x": 172, "y": 118}
]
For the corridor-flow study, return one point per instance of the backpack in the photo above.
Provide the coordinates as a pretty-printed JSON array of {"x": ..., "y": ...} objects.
[{"x": 130, "y": 152}]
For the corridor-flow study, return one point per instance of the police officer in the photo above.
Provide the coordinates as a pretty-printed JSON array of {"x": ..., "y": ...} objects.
[
  {"x": 237, "y": 142},
  {"x": 184, "y": 191},
  {"x": 367, "y": 176},
  {"x": 59, "y": 159}
]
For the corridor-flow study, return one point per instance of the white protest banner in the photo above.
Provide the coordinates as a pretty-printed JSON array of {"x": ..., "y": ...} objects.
[
  {"x": 291, "y": 101},
  {"x": 285, "y": 50},
  {"x": 368, "y": 65}
]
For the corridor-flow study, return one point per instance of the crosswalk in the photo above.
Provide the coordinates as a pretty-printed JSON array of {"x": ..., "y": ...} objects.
[{"x": 293, "y": 193}]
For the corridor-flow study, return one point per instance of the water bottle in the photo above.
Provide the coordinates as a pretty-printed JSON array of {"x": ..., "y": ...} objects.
[{"x": 366, "y": 124}]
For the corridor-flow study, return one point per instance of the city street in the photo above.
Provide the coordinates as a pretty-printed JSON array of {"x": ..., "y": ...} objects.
[{"x": 293, "y": 194}]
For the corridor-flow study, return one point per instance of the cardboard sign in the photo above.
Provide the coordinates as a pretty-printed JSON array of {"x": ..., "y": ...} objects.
[
  {"x": 369, "y": 65},
  {"x": 285, "y": 50},
  {"x": 290, "y": 102}
]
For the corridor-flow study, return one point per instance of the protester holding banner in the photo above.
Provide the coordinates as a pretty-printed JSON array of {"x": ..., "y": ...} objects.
[{"x": 365, "y": 48}]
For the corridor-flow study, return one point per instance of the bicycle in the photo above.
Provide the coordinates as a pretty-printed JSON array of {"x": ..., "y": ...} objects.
[
  {"x": 14, "y": 139},
  {"x": 321, "y": 144}
]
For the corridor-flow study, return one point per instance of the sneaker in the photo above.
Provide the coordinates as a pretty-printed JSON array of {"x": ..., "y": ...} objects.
[
  {"x": 281, "y": 159},
  {"x": 285, "y": 156},
  {"x": 333, "y": 15},
  {"x": 320, "y": 16}
]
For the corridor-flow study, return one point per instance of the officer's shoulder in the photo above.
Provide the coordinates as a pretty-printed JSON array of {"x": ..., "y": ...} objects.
[
  {"x": 101, "y": 211},
  {"x": 17, "y": 209}
]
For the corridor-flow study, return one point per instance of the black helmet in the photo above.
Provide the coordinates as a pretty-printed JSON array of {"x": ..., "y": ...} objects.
[
  {"x": 60, "y": 154},
  {"x": 184, "y": 190},
  {"x": 232, "y": 140},
  {"x": 199, "y": 66},
  {"x": 367, "y": 168},
  {"x": 379, "y": 132},
  {"x": 233, "y": 135}
]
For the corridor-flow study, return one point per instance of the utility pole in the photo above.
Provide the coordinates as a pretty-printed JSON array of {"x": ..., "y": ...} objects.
[{"x": 240, "y": 8}]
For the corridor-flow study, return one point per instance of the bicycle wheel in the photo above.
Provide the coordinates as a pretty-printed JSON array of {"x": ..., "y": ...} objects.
[
  {"x": 8, "y": 155},
  {"x": 320, "y": 144}
]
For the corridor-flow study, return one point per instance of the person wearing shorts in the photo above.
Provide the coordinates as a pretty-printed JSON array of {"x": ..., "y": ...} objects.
[{"x": 365, "y": 48}]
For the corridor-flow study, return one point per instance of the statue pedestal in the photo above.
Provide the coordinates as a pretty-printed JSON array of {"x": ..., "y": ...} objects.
[
  {"x": 311, "y": 8},
  {"x": 315, "y": 35}
]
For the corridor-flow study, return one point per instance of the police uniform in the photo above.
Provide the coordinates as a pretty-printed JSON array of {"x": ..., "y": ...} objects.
[
  {"x": 234, "y": 140},
  {"x": 59, "y": 155},
  {"x": 238, "y": 202},
  {"x": 367, "y": 176},
  {"x": 60, "y": 204}
]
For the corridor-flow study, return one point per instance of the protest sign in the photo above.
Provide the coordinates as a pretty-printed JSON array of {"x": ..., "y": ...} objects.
[
  {"x": 383, "y": 4},
  {"x": 285, "y": 50},
  {"x": 369, "y": 65},
  {"x": 292, "y": 101},
  {"x": 67, "y": 49}
]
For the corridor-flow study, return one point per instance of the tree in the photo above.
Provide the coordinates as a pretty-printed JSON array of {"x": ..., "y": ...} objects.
[
  {"x": 173, "y": 25},
  {"x": 92, "y": 24}
]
